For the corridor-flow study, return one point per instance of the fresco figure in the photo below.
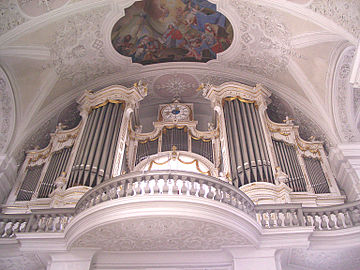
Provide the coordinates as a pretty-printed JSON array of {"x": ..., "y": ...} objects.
[
  {"x": 154, "y": 31},
  {"x": 173, "y": 36}
]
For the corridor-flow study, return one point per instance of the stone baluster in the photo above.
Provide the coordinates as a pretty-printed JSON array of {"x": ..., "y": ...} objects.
[
  {"x": 138, "y": 185},
  {"x": 210, "y": 194},
  {"x": 347, "y": 218},
  {"x": 262, "y": 219},
  {"x": 9, "y": 228},
  {"x": 49, "y": 223},
  {"x": 201, "y": 190},
  {"x": 217, "y": 193},
  {"x": 294, "y": 218},
  {"x": 156, "y": 187},
  {"x": 147, "y": 185},
  {"x": 286, "y": 217},
  {"x": 192, "y": 189},
  {"x": 2, "y": 227},
  {"x": 271, "y": 220},
  {"x": 278, "y": 220},
  {"x": 130, "y": 188},
  {"x": 184, "y": 188},
  {"x": 57, "y": 224},
  {"x": 331, "y": 222},
  {"x": 339, "y": 219},
  {"x": 175, "y": 189},
  {"x": 166, "y": 184}
]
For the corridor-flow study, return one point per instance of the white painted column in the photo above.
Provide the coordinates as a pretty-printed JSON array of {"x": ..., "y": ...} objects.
[
  {"x": 345, "y": 163},
  {"x": 71, "y": 260},
  {"x": 252, "y": 258}
]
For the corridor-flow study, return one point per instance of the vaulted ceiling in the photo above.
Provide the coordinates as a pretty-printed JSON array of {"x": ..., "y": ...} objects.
[{"x": 302, "y": 50}]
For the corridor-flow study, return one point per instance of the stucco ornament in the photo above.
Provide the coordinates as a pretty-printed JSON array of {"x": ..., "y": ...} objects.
[
  {"x": 339, "y": 259},
  {"x": 264, "y": 45},
  {"x": 161, "y": 233},
  {"x": 77, "y": 47},
  {"x": 10, "y": 16},
  {"x": 344, "y": 99},
  {"x": 345, "y": 13},
  {"x": 21, "y": 262},
  {"x": 176, "y": 85},
  {"x": 7, "y": 111},
  {"x": 35, "y": 8}
]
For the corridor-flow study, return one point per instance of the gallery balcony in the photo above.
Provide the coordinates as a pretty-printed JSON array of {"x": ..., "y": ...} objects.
[{"x": 140, "y": 200}]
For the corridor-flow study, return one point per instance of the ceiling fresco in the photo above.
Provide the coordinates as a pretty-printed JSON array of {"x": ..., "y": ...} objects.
[{"x": 155, "y": 31}]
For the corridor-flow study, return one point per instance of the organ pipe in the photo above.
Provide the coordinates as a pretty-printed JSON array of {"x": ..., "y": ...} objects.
[
  {"x": 289, "y": 163},
  {"x": 202, "y": 147},
  {"x": 177, "y": 136},
  {"x": 57, "y": 165},
  {"x": 30, "y": 183},
  {"x": 94, "y": 159},
  {"x": 249, "y": 158},
  {"x": 316, "y": 175}
]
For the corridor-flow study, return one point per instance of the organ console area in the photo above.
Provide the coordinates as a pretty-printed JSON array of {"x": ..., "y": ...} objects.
[{"x": 242, "y": 146}]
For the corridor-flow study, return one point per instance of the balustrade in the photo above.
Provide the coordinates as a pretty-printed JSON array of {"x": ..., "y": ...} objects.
[
  {"x": 181, "y": 183},
  {"x": 320, "y": 218},
  {"x": 167, "y": 183}
]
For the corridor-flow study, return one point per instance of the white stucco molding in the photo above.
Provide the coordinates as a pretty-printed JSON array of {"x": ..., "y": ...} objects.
[
  {"x": 355, "y": 72},
  {"x": 7, "y": 111}
]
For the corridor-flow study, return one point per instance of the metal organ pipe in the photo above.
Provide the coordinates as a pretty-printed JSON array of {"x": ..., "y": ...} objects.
[
  {"x": 57, "y": 165},
  {"x": 316, "y": 175},
  {"x": 248, "y": 155},
  {"x": 289, "y": 163},
  {"x": 30, "y": 182},
  {"x": 94, "y": 160}
]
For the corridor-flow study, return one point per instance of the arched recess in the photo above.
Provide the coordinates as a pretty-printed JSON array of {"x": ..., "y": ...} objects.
[
  {"x": 7, "y": 111},
  {"x": 343, "y": 97}
]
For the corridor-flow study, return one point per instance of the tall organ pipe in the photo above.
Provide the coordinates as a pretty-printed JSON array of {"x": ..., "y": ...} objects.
[
  {"x": 316, "y": 175},
  {"x": 249, "y": 158},
  {"x": 289, "y": 163},
  {"x": 57, "y": 165},
  {"x": 94, "y": 159},
  {"x": 30, "y": 182}
]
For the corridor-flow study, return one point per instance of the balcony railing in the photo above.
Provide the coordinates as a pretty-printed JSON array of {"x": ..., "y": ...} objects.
[
  {"x": 320, "y": 218},
  {"x": 180, "y": 183},
  {"x": 176, "y": 183}
]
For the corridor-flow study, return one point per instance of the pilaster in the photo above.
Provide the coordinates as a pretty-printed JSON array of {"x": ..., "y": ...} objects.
[
  {"x": 79, "y": 260},
  {"x": 345, "y": 161},
  {"x": 253, "y": 258}
]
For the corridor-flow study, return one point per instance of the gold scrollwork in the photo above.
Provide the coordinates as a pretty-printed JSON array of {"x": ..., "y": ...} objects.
[
  {"x": 67, "y": 137},
  {"x": 200, "y": 138},
  {"x": 150, "y": 139},
  {"x": 106, "y": 102},
  {"x": 240, "y": 99}
]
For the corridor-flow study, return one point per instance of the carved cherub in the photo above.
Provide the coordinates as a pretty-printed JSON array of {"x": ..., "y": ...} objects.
[
  {"x": 59, "y": 183},
  {"x": 280, "y": 176},
  {"x": 288, "y": 120}
]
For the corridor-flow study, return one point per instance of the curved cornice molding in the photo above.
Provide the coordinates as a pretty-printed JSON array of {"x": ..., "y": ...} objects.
[
  {"x": 7, "y": 111},
  {"x": 164, "y": 206}
]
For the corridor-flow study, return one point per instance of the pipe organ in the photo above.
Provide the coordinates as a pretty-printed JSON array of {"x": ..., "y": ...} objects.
[
  {"x": 288, "y": 161},
  {"x": 243, "y": 146},
  {"x": 248, "y": 154},
  {"x": 57, "y": 164},
  {"x": 95, "y": 156}
]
